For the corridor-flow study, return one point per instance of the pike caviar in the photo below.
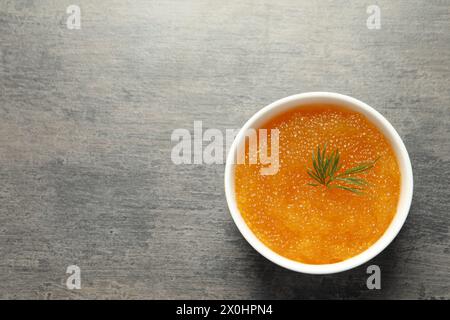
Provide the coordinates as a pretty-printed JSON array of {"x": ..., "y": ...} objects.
[{"x": 316, "y": 225}]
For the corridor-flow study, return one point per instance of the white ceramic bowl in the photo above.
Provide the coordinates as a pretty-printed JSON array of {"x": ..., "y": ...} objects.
[{"x": 296, "y": 101}]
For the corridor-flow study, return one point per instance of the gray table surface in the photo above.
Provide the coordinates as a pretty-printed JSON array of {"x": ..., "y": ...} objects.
[{"x": 86, "y": 117}]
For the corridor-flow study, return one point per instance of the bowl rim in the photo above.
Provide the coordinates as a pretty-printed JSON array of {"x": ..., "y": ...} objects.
[{"x": 404, "y": 162}]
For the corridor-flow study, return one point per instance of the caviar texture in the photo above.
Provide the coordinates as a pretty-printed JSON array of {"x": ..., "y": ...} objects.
[{"x": 316, "y": 225}]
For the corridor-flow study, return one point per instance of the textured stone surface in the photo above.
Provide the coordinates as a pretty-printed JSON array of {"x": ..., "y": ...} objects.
[{"x": 85, "y": 123}]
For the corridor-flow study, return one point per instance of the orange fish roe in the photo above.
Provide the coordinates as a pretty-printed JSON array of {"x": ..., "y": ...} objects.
[{"x": 317, "y": 225}]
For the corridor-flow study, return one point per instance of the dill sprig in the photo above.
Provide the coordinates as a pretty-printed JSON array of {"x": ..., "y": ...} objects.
[{"x": 326, "y": 167}]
